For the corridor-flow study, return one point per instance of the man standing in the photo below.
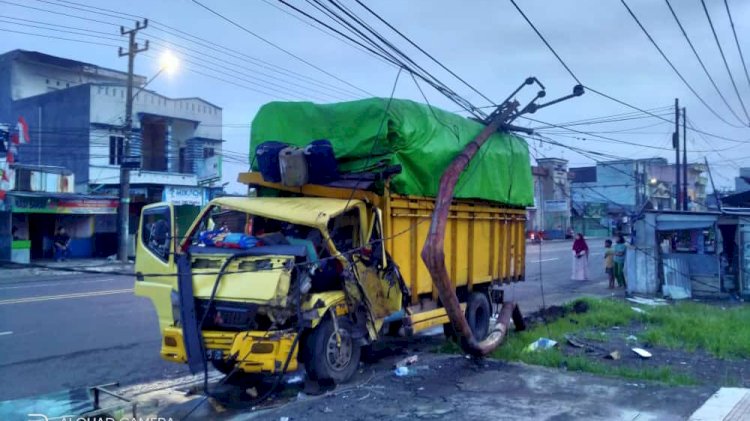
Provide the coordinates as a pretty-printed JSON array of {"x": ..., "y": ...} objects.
[
  {"x": 62, "y": 241},
  {"x": 620, "y": 250}
]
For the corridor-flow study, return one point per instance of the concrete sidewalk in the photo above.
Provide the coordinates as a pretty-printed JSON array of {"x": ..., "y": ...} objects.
[{"x": 15, "y": 272}]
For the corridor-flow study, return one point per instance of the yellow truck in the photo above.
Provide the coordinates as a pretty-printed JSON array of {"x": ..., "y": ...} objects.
[
  {"x": 309, "y": 274},
  {"x": 363, "y": 280}
]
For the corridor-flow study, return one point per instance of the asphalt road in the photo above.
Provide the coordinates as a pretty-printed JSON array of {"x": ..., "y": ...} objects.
[{"x": 62, "y": 332}]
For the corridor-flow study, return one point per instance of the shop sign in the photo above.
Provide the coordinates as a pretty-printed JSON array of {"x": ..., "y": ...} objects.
[
  {"x": 179, "y": 195},
  {"x": 20, "y": 204}
]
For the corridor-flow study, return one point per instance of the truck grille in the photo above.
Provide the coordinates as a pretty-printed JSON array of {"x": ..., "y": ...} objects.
[{"x": 226, "y": 315}]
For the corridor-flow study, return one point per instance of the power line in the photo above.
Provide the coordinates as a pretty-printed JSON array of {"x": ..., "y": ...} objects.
[
  {"x": 243, "y": 28},
  {"x": 700, "y": 61},
  {"x": 59, "y": 38},
  {"x": 423, "y": 51},
  {"x": 724, "y": 59},
  {"x": 544, "y": 40},
  {"x": 671, "y": 65},
  {"x": 621, "y": 102},
  {"x": 737, "y": 42}
]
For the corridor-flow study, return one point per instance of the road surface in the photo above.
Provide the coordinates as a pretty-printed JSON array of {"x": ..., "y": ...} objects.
[{"x": 70, "y": 331}]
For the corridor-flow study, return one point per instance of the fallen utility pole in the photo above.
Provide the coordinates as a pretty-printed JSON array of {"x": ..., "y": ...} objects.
[
  {"x": 123, "y": 215},
  {"x": 433, "y": 252}
]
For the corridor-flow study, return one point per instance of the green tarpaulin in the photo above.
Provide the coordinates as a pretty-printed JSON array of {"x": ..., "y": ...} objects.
[{"x": 422, "y": 139}]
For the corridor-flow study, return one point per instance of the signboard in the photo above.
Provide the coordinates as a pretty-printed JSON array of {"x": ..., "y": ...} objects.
[
  {"x": 73, "y": 206},
  {"x": 179, "y": 195},
  {"x": 556, "y": 206},
  {"x": 209, "y": 169}
]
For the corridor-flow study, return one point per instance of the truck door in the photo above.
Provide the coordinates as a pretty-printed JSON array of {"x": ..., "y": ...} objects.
[
  {"x": 156, "y": 274},
  {"x": 384, "y": 294}
]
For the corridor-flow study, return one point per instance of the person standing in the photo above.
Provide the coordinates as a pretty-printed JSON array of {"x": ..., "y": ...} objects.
[
  {"x": 580, "y": 259},
  {"x": 609, "y": 263},
  {"x": 619, "y": 259},
  {"x": 61, "y": 244}
]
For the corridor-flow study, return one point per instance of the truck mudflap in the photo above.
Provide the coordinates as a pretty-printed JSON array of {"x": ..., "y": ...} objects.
[{"x": 433, "y": 252}]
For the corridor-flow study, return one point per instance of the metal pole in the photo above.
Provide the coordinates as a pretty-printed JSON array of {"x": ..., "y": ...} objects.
[
  {"x": 39, "y": 138},
  {"x": 684, "y": 161},
  {"x": 123, "y": 216},
  {"x": 676, "y": 145},
  {"x": 713, "y": 186}
]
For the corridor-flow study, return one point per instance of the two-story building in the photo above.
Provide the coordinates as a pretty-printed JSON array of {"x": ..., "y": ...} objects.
[
  {"x": 551, "y": 210},
  {"x": 75, "y": 113}
]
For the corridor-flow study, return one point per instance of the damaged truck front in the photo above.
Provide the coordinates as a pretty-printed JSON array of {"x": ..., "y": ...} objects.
[{"x": 251, "y": 307}]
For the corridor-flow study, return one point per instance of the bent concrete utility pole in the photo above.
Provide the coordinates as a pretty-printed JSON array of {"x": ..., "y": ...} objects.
[
  {"x": 433, "y": 252},
  {"x": 123, "y": 214}
]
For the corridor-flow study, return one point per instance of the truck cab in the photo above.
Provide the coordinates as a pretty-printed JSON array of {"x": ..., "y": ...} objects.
[{"x": 260, "y": 284}]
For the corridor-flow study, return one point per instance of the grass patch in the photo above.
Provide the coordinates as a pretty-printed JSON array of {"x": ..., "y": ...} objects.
[{"x": 723, "y": 333}]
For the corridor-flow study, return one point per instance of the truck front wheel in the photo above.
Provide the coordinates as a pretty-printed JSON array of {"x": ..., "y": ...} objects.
[{"x": 330, "y": 356}]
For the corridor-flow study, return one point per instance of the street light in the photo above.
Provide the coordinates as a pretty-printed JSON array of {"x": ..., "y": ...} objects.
[{"x": 168, "y": 63}]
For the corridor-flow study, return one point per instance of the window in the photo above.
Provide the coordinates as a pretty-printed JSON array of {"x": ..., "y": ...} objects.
[
  {"x": 115, "y": 149},
  {"x": 155, "y": 232},
  {"x": 208, "y": 152}
]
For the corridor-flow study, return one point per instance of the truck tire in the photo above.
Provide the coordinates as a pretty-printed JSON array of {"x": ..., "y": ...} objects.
[
  {"x": 325, "y": 359},
  {"x": 478, "y": 313}
]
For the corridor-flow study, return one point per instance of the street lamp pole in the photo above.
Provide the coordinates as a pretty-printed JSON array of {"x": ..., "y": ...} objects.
[{"x": 123, "y": 215}]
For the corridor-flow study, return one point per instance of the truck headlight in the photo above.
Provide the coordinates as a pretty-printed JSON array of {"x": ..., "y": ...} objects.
[{"x": 175, "y": 298}]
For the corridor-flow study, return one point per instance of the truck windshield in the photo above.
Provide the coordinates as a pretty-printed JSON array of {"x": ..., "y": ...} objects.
[{"x": 225, "y": 228}]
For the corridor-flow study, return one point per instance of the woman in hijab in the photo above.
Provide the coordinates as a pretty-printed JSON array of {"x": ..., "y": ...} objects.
[{"x": 580, "y": 259}]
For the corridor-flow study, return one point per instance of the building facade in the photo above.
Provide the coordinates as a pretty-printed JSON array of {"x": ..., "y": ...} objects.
[
  {"x": 551, "y": 211},
  {"x": 605, "y": 196},
  {"x": 742, "y": 182},
  {"x": 75, "y": 114}
]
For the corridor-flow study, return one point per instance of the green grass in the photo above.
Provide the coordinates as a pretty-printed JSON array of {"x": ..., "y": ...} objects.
[{"x": 724, "y": 333}]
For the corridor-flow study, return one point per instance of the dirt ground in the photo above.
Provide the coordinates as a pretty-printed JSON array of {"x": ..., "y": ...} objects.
[{"x": 455, "y": 387}]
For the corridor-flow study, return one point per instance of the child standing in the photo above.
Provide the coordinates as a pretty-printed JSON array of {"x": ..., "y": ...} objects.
[{"x": 609, "y": 263}]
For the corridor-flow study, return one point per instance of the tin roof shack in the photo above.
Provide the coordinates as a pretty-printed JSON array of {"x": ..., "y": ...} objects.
[{"x": 685, "y": 254}]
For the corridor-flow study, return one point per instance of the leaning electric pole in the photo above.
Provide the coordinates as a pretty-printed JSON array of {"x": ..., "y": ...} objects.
[{"x": 123, "y": 215}]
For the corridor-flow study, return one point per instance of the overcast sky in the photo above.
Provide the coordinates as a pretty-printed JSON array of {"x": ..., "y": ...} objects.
[{"x": 486, "y": 42}]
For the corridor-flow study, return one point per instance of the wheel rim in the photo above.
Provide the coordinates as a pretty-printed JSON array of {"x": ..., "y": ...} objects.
[{"x": 339, "y": 357}]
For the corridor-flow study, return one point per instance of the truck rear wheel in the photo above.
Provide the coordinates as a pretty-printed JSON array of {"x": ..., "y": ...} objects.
[
  {"x": 329, "y": 359},
  {"x": 478, "y": 313}
]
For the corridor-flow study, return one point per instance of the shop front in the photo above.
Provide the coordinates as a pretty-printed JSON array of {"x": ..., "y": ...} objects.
[
  {"x": 688, "y": 254},
  {"x": 33, "y": 219}
]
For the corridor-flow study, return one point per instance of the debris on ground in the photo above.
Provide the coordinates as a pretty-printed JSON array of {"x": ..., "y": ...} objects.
[
  {"x": 401, "y": 371},
  {"x": 648, "y": 301},
  {"x": 252, "y": 392},
  {"x": 574, "y": 342},
  {"x": 614, "y": 355},
  {"x": 642, "y": 352},
  {"x": 638, "y": 310},
  {"x": 631, "y": 338},
  {"x": 407, "y": 361},
  {"x": 298, "y": 378},
  {"x": 541, "y": 344}
]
